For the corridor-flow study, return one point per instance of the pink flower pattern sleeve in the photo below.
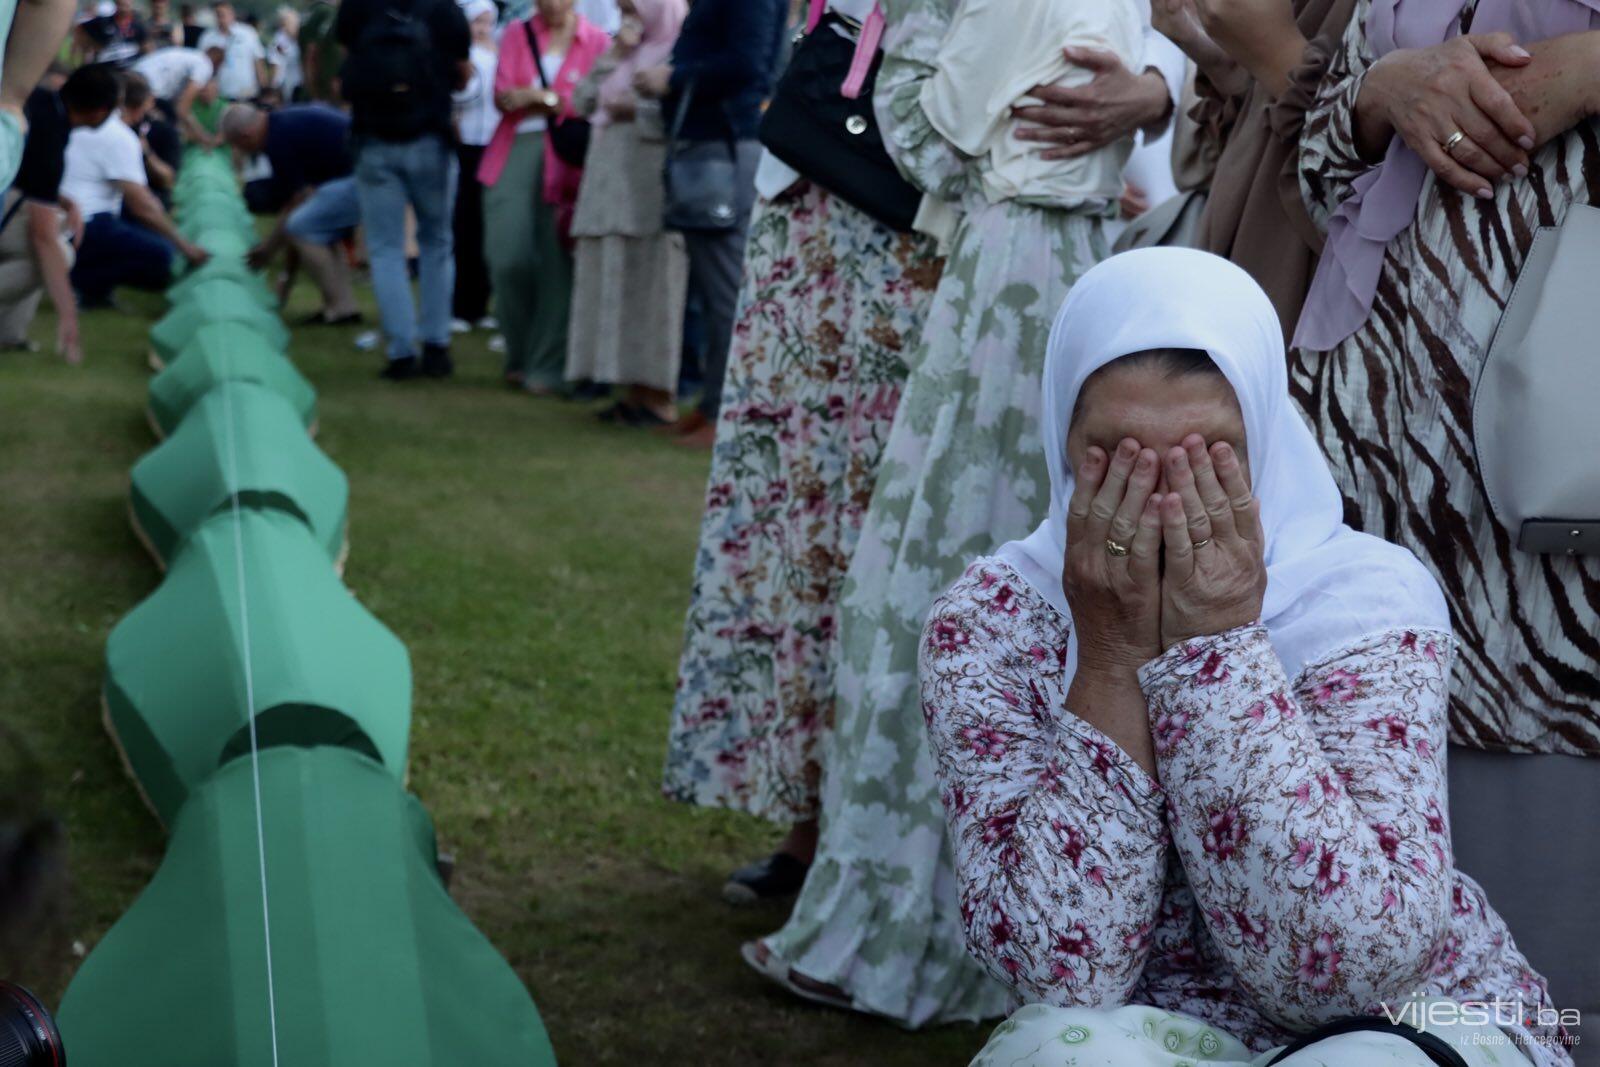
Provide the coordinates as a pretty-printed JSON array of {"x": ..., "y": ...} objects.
[
  {"x": 1309, "y": 821},
  {"x": 1059, "y": 842},
  {"x": 1293, "y": 865}
]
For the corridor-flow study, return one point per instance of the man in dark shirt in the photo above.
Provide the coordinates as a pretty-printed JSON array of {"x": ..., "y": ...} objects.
[
  {"x": 192, "y": 30},
  {"x": 120, "y": 37},
  {"x": 727, "y": 51},
  {"x": 320, "y": 54},
  {"x": 39, "y": 224},
  {"x": 163, "y": 148},
  {"x": 308, "y": 147},
  {"x": 404, "y": 59}
]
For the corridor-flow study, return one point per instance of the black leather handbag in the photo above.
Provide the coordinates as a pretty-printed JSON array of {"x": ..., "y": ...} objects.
[
  {"x": 821, "y": 122},
  {"x": 569, "y": 136},
  {"x": 701, "y": 179}
]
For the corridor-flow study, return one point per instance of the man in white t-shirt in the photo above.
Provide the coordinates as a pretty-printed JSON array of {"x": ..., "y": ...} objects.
[
  {"x": 240, "y": 57},
  {"x": 104, "y": 175},
  {"x": 176, "y": 76}
]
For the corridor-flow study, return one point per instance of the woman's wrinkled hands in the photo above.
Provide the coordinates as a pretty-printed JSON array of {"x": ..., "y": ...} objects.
[
  {"x": 1216, "y": 573},
  {"x": 1558, "y": 89},
  {"x": 1072, "y": 121},
  {"x": 1428, "y": 95},
  {"x": 1115, "y": 598},
  {"x": 523, "y": 98}
]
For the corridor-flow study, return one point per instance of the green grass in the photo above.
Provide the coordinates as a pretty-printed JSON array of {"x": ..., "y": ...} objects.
[{"x": 536, "y": 564}]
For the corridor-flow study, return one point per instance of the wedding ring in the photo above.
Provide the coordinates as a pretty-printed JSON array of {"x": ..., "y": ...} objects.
[
  {"x": 1115, "y": 549},
  {"x": 1455, "y": 139},
  {"x": 1201, "y": 544}
]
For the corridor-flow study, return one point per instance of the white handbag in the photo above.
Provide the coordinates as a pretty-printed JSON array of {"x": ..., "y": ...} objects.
[{"x": 1536, "y": 403}]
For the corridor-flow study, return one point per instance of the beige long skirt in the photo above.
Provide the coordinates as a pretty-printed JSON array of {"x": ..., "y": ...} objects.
[{"x": 627, "y": 310}]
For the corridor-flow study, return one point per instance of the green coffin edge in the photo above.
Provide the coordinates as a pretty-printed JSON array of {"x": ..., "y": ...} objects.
[
  {"x": 323, "y": 669},
  {"x": 214, "y": 212},
  {"x": 190, "y": 476},
  {"x": 215, "y": 301},
  {"x": 223, "y": 270},
  {"x": 219, "y": 352},
  {"x": 373, "y": 964}
]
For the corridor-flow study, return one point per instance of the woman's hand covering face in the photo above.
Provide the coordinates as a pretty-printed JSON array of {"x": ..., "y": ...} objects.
[
  {"x": 1128, "y": 608},
  {"x": 1215, "y": 577},
  {"x": 1115, "y": 598}
]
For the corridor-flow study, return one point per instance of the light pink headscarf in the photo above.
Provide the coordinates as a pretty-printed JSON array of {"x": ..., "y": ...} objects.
[
  {"x": 662, "y": 19},
  {"x": 1384, "y": 200}
]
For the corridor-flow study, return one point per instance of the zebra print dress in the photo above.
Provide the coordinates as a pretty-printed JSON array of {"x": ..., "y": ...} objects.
[{"x": 1391, "y": 406}]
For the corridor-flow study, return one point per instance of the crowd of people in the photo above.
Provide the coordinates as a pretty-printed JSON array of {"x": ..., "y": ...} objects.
[{"x": 1092, "y": 627}]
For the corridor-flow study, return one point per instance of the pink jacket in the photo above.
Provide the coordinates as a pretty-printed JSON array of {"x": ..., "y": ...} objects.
[{"x": 516, "y": 71}]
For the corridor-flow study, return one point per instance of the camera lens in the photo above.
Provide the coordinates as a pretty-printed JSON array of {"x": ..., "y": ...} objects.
[{"x": 28, "y": 1038}]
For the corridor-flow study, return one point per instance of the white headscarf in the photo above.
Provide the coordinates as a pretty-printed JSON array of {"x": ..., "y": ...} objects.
[{"x": 1327, "y": 586}]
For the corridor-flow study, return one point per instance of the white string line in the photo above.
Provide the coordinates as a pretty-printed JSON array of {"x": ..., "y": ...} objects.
[{"x": 250, "y": 703}]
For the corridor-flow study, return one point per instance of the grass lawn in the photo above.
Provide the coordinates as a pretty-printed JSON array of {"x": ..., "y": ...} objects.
[{"x": 537, "y": 565}]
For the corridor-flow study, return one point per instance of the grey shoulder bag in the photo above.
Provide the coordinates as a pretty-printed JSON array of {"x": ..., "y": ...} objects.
[
  {"x": 701, "y": 179},
  {"x": 1536, "y": 403},
  {"x": 1173, "y": 223}
]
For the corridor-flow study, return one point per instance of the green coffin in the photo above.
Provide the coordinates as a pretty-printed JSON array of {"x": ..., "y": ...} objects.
[
  {"x": 229, "y": 242},
  {"x": 215, "y": 301},
  {"x": 220, "y": 352},
  {"x": 373, "y": 965},
  {"x": 322, "y": 668},
  {"x": 271, "y": 464},
  {"x": 214, "y": 210},
  {"x": 232, "y": 270}
]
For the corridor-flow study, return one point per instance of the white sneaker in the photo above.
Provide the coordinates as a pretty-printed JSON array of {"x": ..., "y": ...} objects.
[
  {"x": 488, "y": 322},
  {"x": 497, "y": 343},
  {"x": 460, "y": 326},
  {"x": 367, "y": 340}
]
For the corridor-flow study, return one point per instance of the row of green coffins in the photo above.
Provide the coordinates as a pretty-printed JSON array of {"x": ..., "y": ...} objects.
[{"x": 264, "y": 715}]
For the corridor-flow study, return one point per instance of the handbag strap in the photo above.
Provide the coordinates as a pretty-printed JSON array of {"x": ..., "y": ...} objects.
[
  {"x": 867, "y": 44},
  {"x": 866, "y": 51},
  {"x": 674, "y": 141},
  {"x": 1433, "y": 1047},
  {"x": 533, "y": 46},
  {"x": 678, "y": 118}
]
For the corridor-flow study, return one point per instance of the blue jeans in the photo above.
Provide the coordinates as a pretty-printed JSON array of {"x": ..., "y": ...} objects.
[
  {"x": 115, "y": 252},
  {"x": 390, "y": 175},
  {"x": 328, "y": 214}
]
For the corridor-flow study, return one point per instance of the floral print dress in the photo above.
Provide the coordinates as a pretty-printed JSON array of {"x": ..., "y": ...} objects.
[
  {"x": 1291, "y": 866},
  {"x": 964, "y": 471},
  {"x": 832, "y": 301}
]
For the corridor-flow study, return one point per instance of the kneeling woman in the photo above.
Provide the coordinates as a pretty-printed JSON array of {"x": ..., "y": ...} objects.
[{"x": 1190, "y": 734}]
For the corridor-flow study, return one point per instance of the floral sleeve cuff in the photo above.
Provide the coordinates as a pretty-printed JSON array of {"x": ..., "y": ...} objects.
[
  {"x": 1203, "y": 660},
  {"x": 1077, "y": 740}
]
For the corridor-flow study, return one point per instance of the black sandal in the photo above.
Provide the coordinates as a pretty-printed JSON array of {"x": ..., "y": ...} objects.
[{"x": 778, "y": 877}]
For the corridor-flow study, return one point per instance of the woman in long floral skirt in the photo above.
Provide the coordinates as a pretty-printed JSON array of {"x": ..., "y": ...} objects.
[
  {"x": 832, "y": 301},
  {"x": 877, "y": 927}
]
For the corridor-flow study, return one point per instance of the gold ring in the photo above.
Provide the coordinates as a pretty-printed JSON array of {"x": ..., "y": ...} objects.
[
  {"x": 1454, "y": 139},
  {"x": 1201, "y": 544},
  {"x": 1115, "y": 549}
]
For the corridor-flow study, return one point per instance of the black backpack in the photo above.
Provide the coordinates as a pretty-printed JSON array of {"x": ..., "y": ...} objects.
[{"x": 392, "y": 77}]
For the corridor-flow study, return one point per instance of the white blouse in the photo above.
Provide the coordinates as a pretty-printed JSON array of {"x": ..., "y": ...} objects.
[{"x": 476, "y": 115}]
